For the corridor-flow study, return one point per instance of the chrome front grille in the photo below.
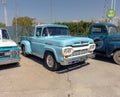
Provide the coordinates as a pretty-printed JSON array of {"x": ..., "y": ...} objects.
[
  {"x": 80, "y": 52},
  {"x": 4, "y": 54}
]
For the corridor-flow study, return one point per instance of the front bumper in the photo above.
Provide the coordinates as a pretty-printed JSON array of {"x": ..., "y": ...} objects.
[
  {"x": 4, "y": 62},
  {"x": 77, "y": 60}
]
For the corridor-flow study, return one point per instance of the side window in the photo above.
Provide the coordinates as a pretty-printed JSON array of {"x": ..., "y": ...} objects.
[
  {"x": 99, "y": 29},
  {"x": 45, "y": 32},
  {"x": 38, "y": 31},
  {"x": 112, "y": 29},
  {"x": 5, "y": 34}
]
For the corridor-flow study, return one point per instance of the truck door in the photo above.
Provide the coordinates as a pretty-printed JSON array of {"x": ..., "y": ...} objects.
[
  {"x": 99, "y": 34},
  {"x": 36, "y": 42}
]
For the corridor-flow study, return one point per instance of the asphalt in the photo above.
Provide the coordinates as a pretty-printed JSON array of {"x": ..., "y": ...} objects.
[{"x": 96, "y": 78}]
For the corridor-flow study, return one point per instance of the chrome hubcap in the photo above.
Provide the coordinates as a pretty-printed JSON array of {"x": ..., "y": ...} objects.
[{"x": 50, "y": 61}]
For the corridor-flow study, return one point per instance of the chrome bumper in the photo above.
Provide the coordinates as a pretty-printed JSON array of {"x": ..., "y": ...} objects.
[
  {"x": 4, "y": 62},
  {"x": 77, "y": 60}
]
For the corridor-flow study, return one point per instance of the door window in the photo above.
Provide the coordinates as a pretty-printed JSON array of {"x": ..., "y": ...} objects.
[
  {"x": 38, "y": 31},
  {"x": 99, "y": 29}
]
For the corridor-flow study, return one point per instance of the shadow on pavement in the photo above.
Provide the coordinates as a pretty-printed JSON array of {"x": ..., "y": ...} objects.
[
  {"x": 9, "y": 66},
  {"x": 36, "y": 59},
  {"x": 69, "y": 68},
  {"x": 104, "y": 58},
  {"x": 63, "y": 69}
]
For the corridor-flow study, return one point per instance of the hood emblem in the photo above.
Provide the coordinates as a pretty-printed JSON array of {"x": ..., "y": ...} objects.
[{"x": 81, "y": 42}]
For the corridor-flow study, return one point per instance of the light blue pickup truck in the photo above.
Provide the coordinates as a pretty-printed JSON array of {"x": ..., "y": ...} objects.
[
  {"x": 53, "y": 43},
  {"x": 9, "y": 51}
]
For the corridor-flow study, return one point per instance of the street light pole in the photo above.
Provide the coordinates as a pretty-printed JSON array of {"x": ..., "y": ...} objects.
[
  {"x": 16, "y": 26},
  {"x": 5, "y": 11},
  {"x": 113, "y": 6}
]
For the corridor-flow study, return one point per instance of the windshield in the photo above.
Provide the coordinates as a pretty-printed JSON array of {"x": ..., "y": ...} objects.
[
  {"x": 55, "y": 31},
  {"x": 113, "y": 29},
  {"x": 5, "y": 34}
]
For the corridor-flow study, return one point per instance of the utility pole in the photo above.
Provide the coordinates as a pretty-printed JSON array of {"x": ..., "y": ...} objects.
[
  {"x": 5, "y": 11},
  {"x": 105, "y": 9},
  {"x": 16, "y": 25},
  {"x": 113, "y": 7}
]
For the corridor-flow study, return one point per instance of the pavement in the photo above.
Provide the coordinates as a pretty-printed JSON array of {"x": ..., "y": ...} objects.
[{"x": 96, "y": 78}]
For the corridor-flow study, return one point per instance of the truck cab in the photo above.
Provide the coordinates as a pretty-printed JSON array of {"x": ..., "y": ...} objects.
[
  {"x": 9, "y": 51},
  {"x": 107, "y": 39}
]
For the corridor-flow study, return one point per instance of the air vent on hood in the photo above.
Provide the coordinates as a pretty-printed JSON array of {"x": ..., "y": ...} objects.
[{"x": 81, "y": 43}]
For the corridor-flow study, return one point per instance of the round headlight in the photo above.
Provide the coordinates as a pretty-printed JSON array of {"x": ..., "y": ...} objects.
[
  {"x": 14, "y": 53},
  {"x": 92, "y": 47},
  {"x": 67, "y": 51}
]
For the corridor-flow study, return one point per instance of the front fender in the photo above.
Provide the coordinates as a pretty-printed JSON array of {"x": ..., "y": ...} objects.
[
  {"x": 57, "y": 53},
  {"x": 27, "y": 46}
]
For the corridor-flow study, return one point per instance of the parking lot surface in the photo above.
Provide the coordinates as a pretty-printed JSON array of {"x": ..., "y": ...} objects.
[{"x": 96, "y": 78}]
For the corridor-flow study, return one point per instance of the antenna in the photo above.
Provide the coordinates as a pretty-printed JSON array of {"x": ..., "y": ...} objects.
[{"x": 5, "y": 11}]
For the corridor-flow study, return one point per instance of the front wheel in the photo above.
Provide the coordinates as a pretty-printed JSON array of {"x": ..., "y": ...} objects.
[
  {"x": 116, "y": 57},
  {"x": 23, "y": 51},
  {"x": 50, "y": 62}
]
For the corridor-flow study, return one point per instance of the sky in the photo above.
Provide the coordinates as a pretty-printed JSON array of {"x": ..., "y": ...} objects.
[{"x": 48, "y": 11}]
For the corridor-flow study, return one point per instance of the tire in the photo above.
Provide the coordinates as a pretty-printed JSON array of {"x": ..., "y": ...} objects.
[
  {"x": 116, "y": 57},
  {"x": 23, "y": 51},
  {"x": 50, "y": 62}
]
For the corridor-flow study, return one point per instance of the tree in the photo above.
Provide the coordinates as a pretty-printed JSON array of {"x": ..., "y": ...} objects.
[
  {"x": 78, "y": 28},
  {"x": 2, "y": 24},
  {"x": 119, "y": 24},
  {"x": 24, "y": 22}
]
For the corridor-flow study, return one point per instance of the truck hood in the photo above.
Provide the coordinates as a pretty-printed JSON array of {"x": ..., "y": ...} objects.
[
  {"x": 67, "y": 41},
  {"x": 7, "y": 43}
]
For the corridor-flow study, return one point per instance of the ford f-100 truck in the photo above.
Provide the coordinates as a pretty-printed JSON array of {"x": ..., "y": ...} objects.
[
  {"x": 107, "y": 39},
  {"x": 9, "y": 51},
  {"x": 53, "y": 43}
]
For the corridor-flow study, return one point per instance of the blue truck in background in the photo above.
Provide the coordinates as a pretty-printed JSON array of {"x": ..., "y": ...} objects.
[
  {"x": 53, "y": 43},
  {"x": 107, "y": 39}
]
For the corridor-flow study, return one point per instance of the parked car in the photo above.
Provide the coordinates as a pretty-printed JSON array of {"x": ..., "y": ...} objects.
[
  {"x": 9, "y": 51},
  {"x": 107, "y": 39}
]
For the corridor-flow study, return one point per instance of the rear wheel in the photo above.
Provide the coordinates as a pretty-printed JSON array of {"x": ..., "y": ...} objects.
[
  {"x": 116, "y": 57},
  {"x": 50, "y": 62}
]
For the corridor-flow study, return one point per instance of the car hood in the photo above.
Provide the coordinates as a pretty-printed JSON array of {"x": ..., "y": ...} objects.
[
  {"x": 67, "y": 41},
  {"x": 7, "y": 43}
]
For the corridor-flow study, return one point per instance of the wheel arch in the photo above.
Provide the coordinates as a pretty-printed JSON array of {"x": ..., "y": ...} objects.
[
  {"x": 55, "y": 66},
  {"x": 51, "y": 51},
  {"x": 116, "y": 50},
  {"x": 27, "y": 46}
]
